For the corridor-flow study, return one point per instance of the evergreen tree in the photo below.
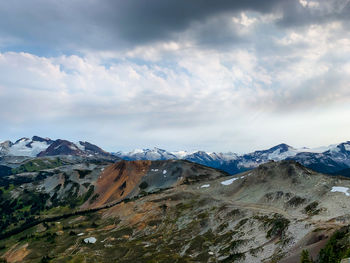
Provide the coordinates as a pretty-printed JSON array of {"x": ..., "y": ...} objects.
[{"x": 305, "y": 258}]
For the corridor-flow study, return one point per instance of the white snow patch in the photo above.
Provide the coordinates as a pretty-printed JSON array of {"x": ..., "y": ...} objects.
[
  {"x": 154, "y": 170},
  {"x": 58, "y": 147},
  {"x": 321, "y": 149},
  {"x": 347, "y": 147},
  {"x": 21, "y": 148},
  {"x": 229, "y": 181},
  {"x": 340, "y": 189},
  {"x": 180, "y": 154},
  {"x": 80, "y": 234},
  {"x": 211, "y": 253},
  {"x": 73, "y": 147},
  {"x": 277, "y": 155},
  {"x": 164, "y": 171},
  {"x": 136, "y": 151},
  {"x": 205, "y": 186},
  {"x": 91, "y": 240},
  {"x": 335, "y": 150},
  {"x": 80, "y": 146}
]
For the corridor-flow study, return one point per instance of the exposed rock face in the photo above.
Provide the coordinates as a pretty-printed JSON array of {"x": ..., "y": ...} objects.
[
  {"x": 92, "y": 149},
  {"x": 119, "y": 180},
  {"x": 61, "y": 147}
]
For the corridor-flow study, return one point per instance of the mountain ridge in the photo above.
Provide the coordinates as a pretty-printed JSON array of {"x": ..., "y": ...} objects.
[{"x": 332, "y": 159}]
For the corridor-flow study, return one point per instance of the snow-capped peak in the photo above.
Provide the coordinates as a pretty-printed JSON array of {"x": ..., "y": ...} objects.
[
  {"x": 38, "y": 146},
  {"x": 28, "y": 147}
]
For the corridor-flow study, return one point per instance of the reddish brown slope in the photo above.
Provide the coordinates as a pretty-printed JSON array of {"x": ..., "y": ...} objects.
[{"x": 118, "y": 180}]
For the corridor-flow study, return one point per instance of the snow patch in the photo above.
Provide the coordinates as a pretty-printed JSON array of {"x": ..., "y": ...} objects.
[
  {"x": 205, "y": 186},
  {"x": 347, "y": 147},
  {"x": 229, "y": 181},
  {"x": 180, "y": 154},
  {"x": 335, "y": 150},
  {"x": 136, "y": 151},
  {"x": 277, "y": 155},
  {"x": 21, "y": 148},
  {"x": 164, "y": 171},
  {"x": 80, "y": 146},
  {"x": 90, "y": 240},
  {"x": 73, "y": 147},
  {"x": 80, "y": 234},
  {"x": 340, "y": 189}
]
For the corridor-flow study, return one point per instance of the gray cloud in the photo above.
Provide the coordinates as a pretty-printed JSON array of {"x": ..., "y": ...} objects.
[
  {"x": 319, "y": 12},
  {"x": 110, "y": 24},
  {"x": 39, "y": 25}
]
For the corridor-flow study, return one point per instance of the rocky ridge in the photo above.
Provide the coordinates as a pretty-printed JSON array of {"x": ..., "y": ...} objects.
[{"x": 175, "y": 210}]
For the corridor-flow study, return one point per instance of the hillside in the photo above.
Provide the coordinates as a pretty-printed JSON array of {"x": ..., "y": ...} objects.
[{"x": 173, "y": 211}]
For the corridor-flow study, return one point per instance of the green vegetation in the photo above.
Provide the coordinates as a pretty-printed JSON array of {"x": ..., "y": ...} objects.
[
  {"x": 16, "y": 211},
  {"x": 337, "y": 247},
  {"x": 38, "y": 165},
  {"x": 5, "y": 170},
  {"x": 83, "y": 173},
  {"x": 296, "y": 201},
  {"x": 305, "y": 257},
  {"x": 143, "y": 185},
  {"x": 241, "y": 223},
  {"x": 311, "y": 209},
  {"x": 277, "y": 225}
]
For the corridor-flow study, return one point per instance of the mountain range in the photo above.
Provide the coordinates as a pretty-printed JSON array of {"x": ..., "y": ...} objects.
[{"x": 333, "y": 159}]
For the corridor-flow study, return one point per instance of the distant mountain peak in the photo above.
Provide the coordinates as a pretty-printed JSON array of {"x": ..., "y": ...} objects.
[
  {"x": 40, "y": 146},
  {"x": 283, "y": 147}
]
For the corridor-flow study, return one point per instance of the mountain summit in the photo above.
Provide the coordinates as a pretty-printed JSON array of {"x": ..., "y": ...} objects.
[{"x": 40, "y": 147}]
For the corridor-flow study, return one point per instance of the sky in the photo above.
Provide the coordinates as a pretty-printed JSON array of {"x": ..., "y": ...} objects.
[{"x": 221, "y": 75}]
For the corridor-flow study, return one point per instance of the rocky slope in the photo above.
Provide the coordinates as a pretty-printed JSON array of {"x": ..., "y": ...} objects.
[{"x": 172, "y": 211}]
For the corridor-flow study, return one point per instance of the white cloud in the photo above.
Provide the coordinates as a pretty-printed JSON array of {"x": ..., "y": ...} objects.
[
  {"x": 244, "y": 20},
  {"x": 179, "y": 95}
]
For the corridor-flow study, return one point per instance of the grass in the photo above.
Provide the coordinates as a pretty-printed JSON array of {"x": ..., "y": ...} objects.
[{"x": 7, "y": 190}]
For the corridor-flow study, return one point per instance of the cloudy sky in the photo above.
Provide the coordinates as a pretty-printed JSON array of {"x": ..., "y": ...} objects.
[{"x": 221, "y": 75}]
